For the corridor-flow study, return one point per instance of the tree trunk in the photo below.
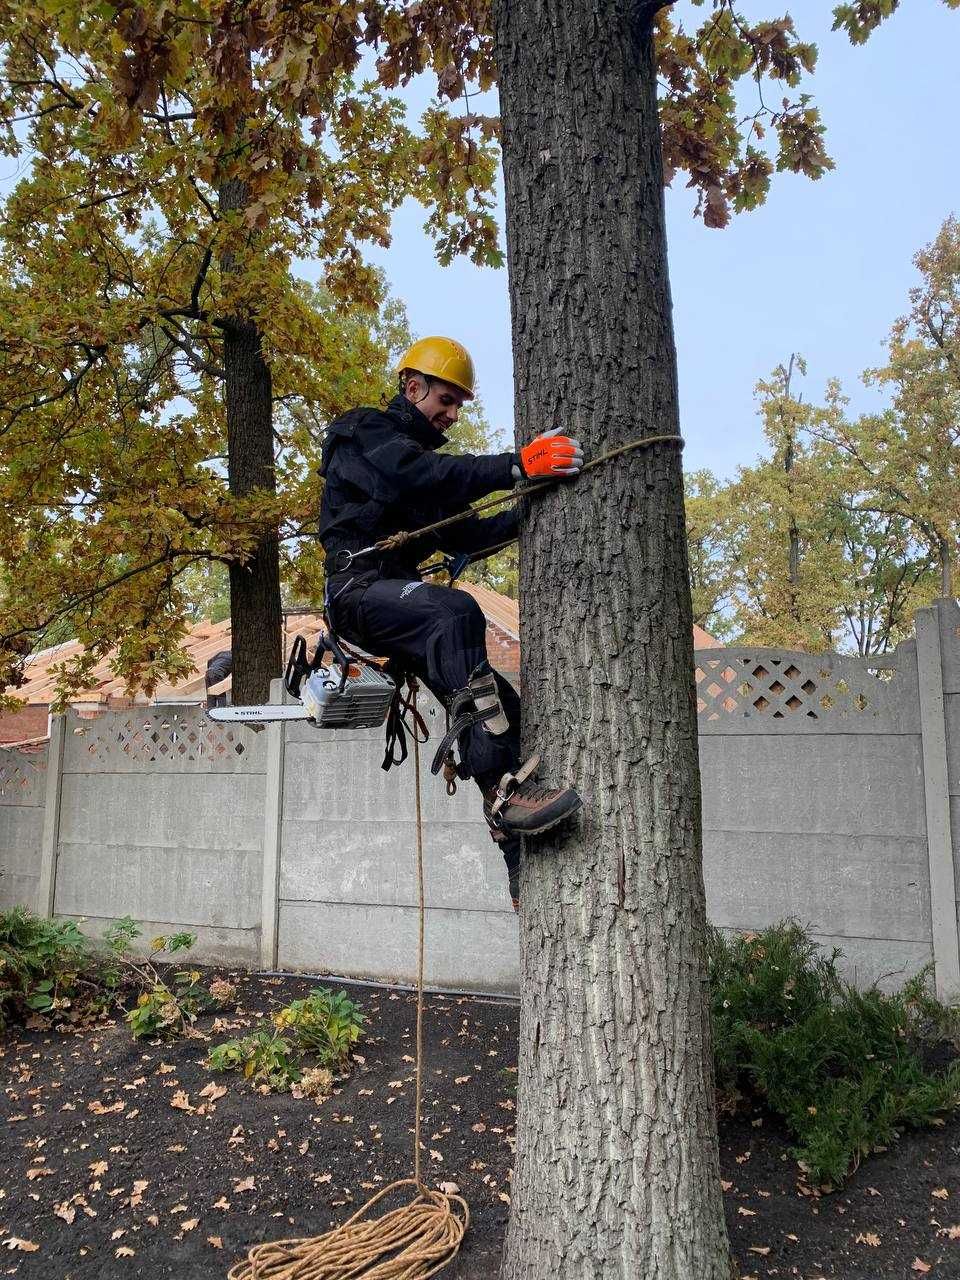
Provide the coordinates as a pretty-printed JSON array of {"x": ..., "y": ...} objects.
[
  {"x": 255, "y": 610},
  {"x": 617, "y": 1170},
  {"x": 946, "y": 570}
]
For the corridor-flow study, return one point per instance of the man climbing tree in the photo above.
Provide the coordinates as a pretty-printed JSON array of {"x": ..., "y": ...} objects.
[{"x": 384, "y": 477}]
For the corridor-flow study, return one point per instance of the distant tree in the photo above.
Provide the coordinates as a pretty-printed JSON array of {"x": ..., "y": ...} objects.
[
  {"x": 708, "y": 514},
  {"x": 905, "y": 462},
  {"x": 794, "y": 552}
]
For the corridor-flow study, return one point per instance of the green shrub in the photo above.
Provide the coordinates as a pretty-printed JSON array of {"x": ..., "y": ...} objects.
[
  {"x": 47, "y": 967},
  {"x": 326, "y": 1024},
  {"x": 311, "y": 1039},
  {"x": 844, "y": 1068},
  {"x": 264, "y": 1057}
]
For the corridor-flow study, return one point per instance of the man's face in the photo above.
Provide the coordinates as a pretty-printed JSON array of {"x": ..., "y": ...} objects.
[{"x": 438, "y": 401}]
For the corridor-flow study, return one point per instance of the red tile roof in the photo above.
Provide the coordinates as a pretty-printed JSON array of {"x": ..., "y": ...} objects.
[{"x": 208, "y": 638}]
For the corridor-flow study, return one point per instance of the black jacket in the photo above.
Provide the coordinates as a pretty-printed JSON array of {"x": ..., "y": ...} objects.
[{"x": 382, "y": 475}]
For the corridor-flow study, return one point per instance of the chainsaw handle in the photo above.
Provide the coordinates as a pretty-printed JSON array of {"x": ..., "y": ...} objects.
[
  {"x": 297, "y": 667},
  {"x": 328, "y": 641}
]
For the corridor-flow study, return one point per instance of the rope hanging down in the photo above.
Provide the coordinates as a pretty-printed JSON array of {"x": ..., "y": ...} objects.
[
  {"x": 396, "y": 540},
  {"x": 409, "y": 1243}
]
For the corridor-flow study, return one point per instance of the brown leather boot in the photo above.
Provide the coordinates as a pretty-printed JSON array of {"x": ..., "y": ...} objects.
[{"x": 518, "y": 806}]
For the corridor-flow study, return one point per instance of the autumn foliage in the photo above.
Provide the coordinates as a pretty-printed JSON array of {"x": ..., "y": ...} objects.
[{"x": 178, "y": 164}]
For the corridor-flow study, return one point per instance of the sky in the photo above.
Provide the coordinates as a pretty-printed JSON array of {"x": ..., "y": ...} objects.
[{"x": 823, "y": 268}]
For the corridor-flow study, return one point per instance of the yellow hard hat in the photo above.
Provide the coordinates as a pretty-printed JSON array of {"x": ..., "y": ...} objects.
[{"x": 441, "y": 358}]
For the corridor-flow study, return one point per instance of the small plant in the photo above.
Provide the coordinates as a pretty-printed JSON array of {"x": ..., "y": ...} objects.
[
  {"x": 264, "y": 1057},
  {"x": 326, "y": 1024},
  {"x": 322, "y": 1028},
  {"x": 844, "y": 1068},
  {"x": 167, "y": 1006}
]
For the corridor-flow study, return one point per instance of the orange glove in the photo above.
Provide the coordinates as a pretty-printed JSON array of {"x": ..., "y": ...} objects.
[{"x": 551, "y": 454}]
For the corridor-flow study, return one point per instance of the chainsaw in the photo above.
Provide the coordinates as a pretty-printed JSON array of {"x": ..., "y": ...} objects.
[{"x": 345, "y": 694}]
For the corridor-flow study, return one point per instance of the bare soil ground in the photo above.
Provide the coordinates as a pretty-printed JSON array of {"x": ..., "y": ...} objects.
[{"x": 112, "y": 1163}]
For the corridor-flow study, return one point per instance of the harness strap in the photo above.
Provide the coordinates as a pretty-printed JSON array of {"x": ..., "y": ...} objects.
[
  {"x": 398, "y": 725},
  {"x": 509, "y": 784},
  {"x": 462, "y": 719}
]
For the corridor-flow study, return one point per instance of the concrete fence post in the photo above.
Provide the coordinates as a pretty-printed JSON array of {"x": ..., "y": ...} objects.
[
  {"x": 272, "y": 817},
  {"x": 50, "y": 839},
  {"x": 933, "y": 728}
]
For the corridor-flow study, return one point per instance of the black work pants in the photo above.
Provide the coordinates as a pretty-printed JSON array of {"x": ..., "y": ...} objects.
[{"x": 439, "y": 635}]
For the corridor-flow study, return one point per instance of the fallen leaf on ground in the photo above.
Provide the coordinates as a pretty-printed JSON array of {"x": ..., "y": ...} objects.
[
  {"x": 449, "y": 1188},
  {"x": 216, "y": 1241},
  {"x": 125, "y": 1251},
  {"x": 213, "y": 1091},
  {"x": 762, "y": 1249},
  {"x": 747, "y": 1213},
  {"x": 25, "y": 1246},
  {"x": 868, "y": 1237},
  {"x": 941, "y": 1193},
  {"x": 222, "y": 1203},
  {"x": 918, "y": 1264},
  {"x": 189, "y": 1224},
  {"x": 98, "y": 1109},
  {"x": 40, "y": 1172},
  {"x": 952, "y": 1233},
  {"x": 65, "y": 1211},
  {"x": 181, "y": 1100},
  {"x": 247, "y": 1184}
]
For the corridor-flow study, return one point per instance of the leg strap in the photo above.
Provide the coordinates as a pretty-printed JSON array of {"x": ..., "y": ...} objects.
[{"x": 462, "y": 712}]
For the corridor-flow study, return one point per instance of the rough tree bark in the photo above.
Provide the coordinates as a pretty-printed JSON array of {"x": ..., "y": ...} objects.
[
  {"x": 617, "y": 1171},
  {"x": 255, "y": 609}
]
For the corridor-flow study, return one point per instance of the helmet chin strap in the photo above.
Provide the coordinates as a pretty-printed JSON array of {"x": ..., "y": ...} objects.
[{"x": 427, "y": 381}]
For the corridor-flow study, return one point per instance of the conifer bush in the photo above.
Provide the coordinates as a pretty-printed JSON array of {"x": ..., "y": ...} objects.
[{"x": 847, "y": 1070}]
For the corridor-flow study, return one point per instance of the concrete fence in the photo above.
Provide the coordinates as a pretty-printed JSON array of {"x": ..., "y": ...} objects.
[{"x": 831, "y": 793}]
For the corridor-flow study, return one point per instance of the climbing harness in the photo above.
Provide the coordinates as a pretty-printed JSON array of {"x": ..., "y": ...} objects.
[{"x": 408, "y": 1243}]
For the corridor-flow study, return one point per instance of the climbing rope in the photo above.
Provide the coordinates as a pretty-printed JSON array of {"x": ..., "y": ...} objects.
[
  {"x": 397, "y": 540},
  {"x": 409, "y": 1243}
]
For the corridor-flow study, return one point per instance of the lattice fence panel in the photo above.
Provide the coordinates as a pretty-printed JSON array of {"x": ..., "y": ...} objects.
[
  {"x": 764, "y": 689},
  {"x": 178, "y": 741},
  {"x": 22, "y": 777}
]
